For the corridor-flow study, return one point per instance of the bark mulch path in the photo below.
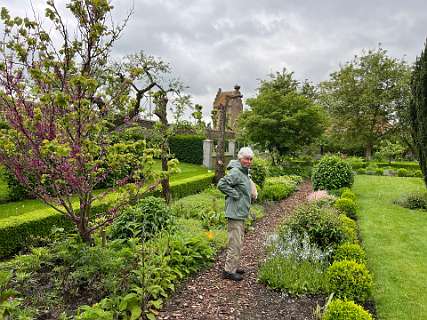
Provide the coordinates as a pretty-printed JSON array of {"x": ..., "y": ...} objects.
[{"x": 208, "y": 296}]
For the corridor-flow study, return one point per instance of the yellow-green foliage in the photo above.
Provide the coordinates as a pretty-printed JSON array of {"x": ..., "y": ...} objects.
[
  {"x": 349, "y": 228},
  {"x": 349, "y": 280},
  {"x": 277, "y": 188},
  {"x": 346, "y": 206},
  {"x": 348, "y": 195},
  {"x": 345, "y": 310},
  {"x": 350, "y": 251}
]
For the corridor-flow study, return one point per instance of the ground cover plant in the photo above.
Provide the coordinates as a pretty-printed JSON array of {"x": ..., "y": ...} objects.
[
  {"x": 395, "y": 240},
  {"x": 127, "y": 276}
]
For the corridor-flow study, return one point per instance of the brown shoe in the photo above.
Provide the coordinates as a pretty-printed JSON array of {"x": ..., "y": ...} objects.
[{"x": 232, "y": 276}]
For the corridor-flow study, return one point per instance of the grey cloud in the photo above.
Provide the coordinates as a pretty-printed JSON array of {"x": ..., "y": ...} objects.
[{"x": 217, "y": 43}]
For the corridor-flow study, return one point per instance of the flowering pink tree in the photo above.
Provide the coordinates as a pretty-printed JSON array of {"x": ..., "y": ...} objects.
[{"x": 63, "y": 100}]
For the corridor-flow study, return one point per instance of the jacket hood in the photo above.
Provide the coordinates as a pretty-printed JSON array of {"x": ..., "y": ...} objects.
[{"x": 236, "y": 164}]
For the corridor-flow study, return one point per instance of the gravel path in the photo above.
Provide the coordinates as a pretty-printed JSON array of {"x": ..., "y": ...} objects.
[{"x": 208, "y": 296}]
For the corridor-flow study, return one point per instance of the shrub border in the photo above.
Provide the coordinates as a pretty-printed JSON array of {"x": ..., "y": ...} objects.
[{"x": 16, "y": 230}]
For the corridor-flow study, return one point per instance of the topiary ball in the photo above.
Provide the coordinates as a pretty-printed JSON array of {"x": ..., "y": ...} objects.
[
  {"x": 348, "y": 227},
  {"x": 348, "y": 195},
  {"x": 346, "y": 206},
  {"x": 349, "y": 280},
  {"x": 345, "y": 310},
  {"x": 350, "y": 251},
  {"x": 332, "y": 173}
]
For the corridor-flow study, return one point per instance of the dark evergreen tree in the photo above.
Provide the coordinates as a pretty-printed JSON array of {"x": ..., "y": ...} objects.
[{"x": 418, "y": 110}]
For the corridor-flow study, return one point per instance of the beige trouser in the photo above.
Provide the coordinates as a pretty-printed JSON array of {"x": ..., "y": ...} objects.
[{"x": 236, "y": 233}]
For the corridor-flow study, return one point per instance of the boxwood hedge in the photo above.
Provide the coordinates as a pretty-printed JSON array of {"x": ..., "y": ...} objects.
[{"x": 15, "y": 231}]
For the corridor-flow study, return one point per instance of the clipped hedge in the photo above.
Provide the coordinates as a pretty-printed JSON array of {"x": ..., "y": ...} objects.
[
  {"x": 345, "y": 310},
  {"x": 346, "y": 206},
  {"x": 187, "y": 148},
  {"x": 397, "y": 165},
  {"x": 349, "y": 280},
  {"x": 330, "y": 173},
  {"x": 350, "y": 251},
  {"x": 16, "y": 230}
]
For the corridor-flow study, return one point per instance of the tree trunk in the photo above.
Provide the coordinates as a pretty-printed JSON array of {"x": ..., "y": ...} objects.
[
  {"x": 220, "y": 158},
  {"x": 166, "y": 193},
  {"x": 368, "y": 151},
  {"x": 161, "y": 102},
  {"x": 83, "y": 226}
]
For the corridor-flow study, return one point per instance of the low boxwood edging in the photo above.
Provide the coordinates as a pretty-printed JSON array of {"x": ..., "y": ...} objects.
[{"x": 16, "y": 231}]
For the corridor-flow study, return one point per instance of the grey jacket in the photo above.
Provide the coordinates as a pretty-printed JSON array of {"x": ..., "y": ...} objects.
[{"x": 236, "y": 186}]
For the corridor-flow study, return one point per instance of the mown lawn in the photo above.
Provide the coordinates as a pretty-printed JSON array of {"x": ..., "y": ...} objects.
[
  {"x": 17, "y": 208},
  {"x": 395, "y": 239}
]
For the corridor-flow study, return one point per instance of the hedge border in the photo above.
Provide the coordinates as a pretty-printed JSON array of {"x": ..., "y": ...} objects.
[{"x": 16, "y": 230}]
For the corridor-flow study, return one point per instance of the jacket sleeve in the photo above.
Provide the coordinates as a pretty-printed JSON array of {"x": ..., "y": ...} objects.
[{"x": 227, "y": 184}]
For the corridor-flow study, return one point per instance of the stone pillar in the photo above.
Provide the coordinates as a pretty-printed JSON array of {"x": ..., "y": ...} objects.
[
  {"x": 232, "y": 148},
  {"x": 207, "y": 153}
]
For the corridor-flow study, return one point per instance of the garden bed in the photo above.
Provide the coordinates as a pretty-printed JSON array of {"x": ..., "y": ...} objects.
[{"x": 208, "y": 296}]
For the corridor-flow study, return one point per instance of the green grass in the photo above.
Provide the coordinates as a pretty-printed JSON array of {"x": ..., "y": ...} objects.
[
  {"x": 20, "y": 207},
  {"x": 395, "y": 240}
]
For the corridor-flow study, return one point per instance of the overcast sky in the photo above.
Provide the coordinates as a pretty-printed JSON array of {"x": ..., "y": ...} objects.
[{"x": 213, "y": 44}]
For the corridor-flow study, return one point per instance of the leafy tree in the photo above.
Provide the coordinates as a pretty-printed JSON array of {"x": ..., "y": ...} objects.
[
  {"x": 390, "y": 151},
  {"x": 63, "y": 100},
  {"x": 281, "y": 119},
  {"x": 418, "y": 110},
  {"x": 364, "y": 96}
]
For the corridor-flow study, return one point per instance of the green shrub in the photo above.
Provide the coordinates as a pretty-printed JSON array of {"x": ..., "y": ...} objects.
[
  {"x": 416, "y": 200},
  {"x": 361, "y": 171},
  {"x": 347, "y": 194},
  {"x": 402, "y": 172},
  {"x": 398, "y": 164},
  {"x": 356, "y": 162},
  {"x": 345, "y": 310},
  {"x": 418, "y": 173},
  {"x": 332, "y": 173},
  {"x": 187, "y": 148},
  {"x": 347, "y": 206},
  {"x": 349, "y": 228},
  {"x": 294, "y": 277},
  {"x": 278, "y": 188},
  {"x": 379, "y": 171},
  {"x": 16, "y": 231},
  {"x": 322, "y": 225},
  {"x": 15, "y": 190},
  {"x": 350, "y": 251},
  {"x": 275, "y": 192},
  {"x": 189, "y": 186},
  {"x": 207, "y": 207},
  {"x": 349, "y": 280},
  {"x": 259, "y": 171},
  {"x": 149, "y": 216}
]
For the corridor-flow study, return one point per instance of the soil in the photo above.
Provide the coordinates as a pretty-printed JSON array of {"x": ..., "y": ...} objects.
[{"x": 208, "y": 296}]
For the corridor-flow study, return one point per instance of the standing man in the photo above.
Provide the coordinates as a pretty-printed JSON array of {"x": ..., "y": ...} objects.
[{"x": 236, "y": 186}]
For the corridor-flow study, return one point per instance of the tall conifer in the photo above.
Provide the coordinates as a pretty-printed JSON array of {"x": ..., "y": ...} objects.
[{"x": 418, "y": 110}]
